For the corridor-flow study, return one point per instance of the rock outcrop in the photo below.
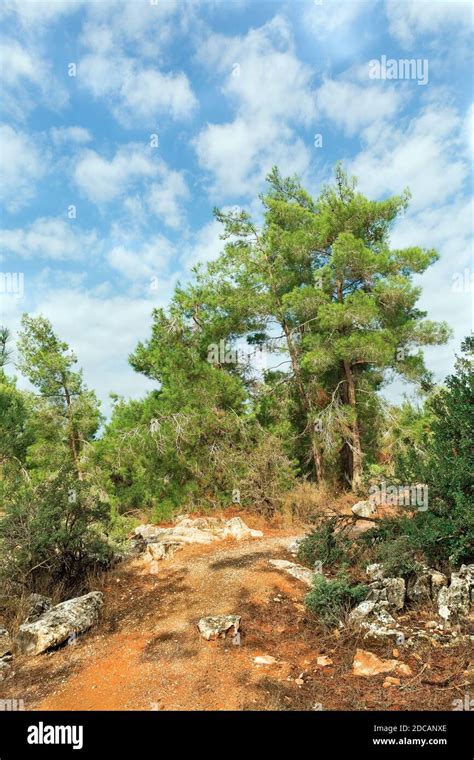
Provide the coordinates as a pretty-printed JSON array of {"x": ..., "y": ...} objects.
[
  {"x": 67, "y": 619},
  {"x": 303, "y": 574},
  {"x": 202, "y": 530},
  {"x": 6, "y": 644},
  {"x": 454, "y": 600},
  {"x": 37, "y": 606},
  {"x": 219, "y": 626}
]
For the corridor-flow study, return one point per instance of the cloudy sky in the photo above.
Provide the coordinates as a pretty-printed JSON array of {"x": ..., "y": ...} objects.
[{"x": 124, "y": 123}]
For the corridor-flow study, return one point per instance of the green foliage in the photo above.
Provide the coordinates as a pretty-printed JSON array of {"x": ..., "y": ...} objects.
[
  {"x": 66, "y": 416},
  {"x": 325, "y": 545},
  {"x": 331, "y": 599},
  {"x": 434, "y": 447},
  {"x": 52, "y": 533}
]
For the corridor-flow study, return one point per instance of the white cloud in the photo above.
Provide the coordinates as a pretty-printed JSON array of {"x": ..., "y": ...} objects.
[
  {"x": 78, "y": 135},
  {"x": 150, "y": 260},
  {"x": 424, "y": 156},
  {"x": 102, "y": 180},
  {"x": 164, "y": 197},
  {"x": 327, "y": 18},
  {"x": 353, "y": 106},
  {"x": 34, "y": 13},
  {"x": 103, "y": 331},
  {"x": 407, "y": 21},
  {"x": 146, "y": 184},
  {"x": 28, "y": 79},
  {"x": 205, "y": 244},
  {"x": 134, "y": 92},
  {"x": 49, "y": 238},
  {"x": 271, "y": 90},
  {"x": 120, "y": 39},
  {"x": 22, "y": 163}
]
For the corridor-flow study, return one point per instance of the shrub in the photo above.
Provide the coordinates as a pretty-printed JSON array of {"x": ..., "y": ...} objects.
[
  {"x": 331, "y": 600},
  {"x": 325, "y": 544},
  {"x": 54, "y": 531}
]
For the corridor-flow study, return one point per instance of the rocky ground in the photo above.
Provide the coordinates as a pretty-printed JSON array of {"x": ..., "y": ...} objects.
[{"x": 147, "y": 652}]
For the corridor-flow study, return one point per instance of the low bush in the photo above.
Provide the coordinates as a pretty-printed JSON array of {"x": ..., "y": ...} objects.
[
  {"x": 326, "y": 544},
  {"x": 53, "y": 532},
  {"x": 331, "y": 600}
]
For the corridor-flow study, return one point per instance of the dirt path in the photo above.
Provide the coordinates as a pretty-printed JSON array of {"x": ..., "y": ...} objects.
[{"x": 147, "y": 654}]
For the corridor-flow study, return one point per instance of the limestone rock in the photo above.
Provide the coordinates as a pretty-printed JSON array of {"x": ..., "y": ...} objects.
[
  {"x": 55, "y": 626},
  {"x": 374, "y": 621},
  {"x": 200, "y": 530},
  {"x": 391, "y": 681},
  {"x": 454, "y": 600},
  {"x": 390, "y": 590},
  {"x": 361, "y": 612},
  {"x": 37, "y": 606},
  {"x": 375, "y": 571},
  {"x": 294, "y": 545},
  {"x": 438, "y": 581},
  {"x": 236, "y": 528},
  {"x": 265, "y": 659},
  {"x": 369, "y": 664},
  {"x": 303, "y": 574},
  {"x": 163, "y": 549},
  {"x": 323, "y": 661},
  {"x": 218, "y": 626},
  {"x": 364, "y": 509},
  {"x": 6, "y": 643}
]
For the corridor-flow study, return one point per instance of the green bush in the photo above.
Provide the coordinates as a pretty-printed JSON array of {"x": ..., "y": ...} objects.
[
  {"x": 325, "y": 545},
  {"x": 53, "y": 533},
  {"x": 330, "y": 600}
]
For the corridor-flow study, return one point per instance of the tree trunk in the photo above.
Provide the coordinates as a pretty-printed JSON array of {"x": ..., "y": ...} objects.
[
  {"x": 306, "y": 402},
  {"x": 355, "y": 451},
  {"x": 73, "y": 442}
]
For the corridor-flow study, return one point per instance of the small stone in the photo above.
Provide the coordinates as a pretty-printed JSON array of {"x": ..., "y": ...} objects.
[
  {"x": 217, "y": 626},
  {"x": 323, "y": 661},
  {"x": 391, "y": 681},
  {"x": 369, "y": 664},
  {"x": 395, "y": 653},
  {"x": 363, "y": 509},
  {"x": 265, "y": 659}
]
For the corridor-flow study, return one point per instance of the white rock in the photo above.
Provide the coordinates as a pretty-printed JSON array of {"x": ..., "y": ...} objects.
[
  {"x": 54, "y": 627},
  {"x": 218, "y": 626},
  {"x": 364, "y": 509},
  {"x": 201, "y": 530},
  {"x": 6, "y": 644},
  {"x": 438, "y": 581},
  {"x": 360, "y": 613},
  {"x": 454, "y": 600},
  {"x": 390, "y": 590},
  {"x": 375, "y": 571},
  {"x": 303, "y": 574},
  {"x": 163, "y": 549},
  {"x": 265, "y": 659},
  {"x": 294, "y": 545},
  {"x": 238, "y": 529},
  {"x": 37, "y": 606}
]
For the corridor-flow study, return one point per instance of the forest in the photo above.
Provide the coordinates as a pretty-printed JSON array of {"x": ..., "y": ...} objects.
[{"x": 269, "y": 367}]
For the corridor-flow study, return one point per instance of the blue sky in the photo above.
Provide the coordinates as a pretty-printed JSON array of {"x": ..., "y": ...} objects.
[{"x": 124, "y": 123}]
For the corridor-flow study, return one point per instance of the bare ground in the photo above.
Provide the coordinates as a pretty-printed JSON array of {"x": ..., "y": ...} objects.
[{"x": 147, "y": 654}]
